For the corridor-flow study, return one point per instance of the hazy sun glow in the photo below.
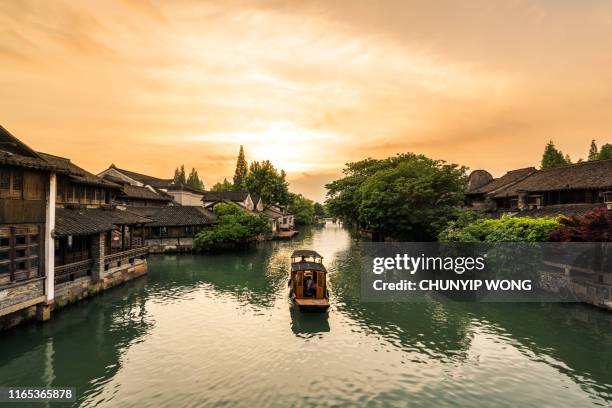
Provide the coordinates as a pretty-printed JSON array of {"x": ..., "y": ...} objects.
[{"x": 309, "y": 85}]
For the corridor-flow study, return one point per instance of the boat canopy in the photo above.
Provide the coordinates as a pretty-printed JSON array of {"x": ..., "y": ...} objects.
[
  {"x": 306, "y": 253},
  {"x": 308, "y": 266}
]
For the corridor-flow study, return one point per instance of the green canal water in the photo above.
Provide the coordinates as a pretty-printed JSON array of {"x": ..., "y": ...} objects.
[{"x": 219, "y": 330}]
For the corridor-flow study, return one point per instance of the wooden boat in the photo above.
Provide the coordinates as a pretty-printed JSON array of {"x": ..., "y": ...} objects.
[{"x": 307, "y": 266}]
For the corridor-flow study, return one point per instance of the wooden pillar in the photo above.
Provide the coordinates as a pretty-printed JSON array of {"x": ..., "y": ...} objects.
[
  {"x": 131, "y": 237},
  {"x": 142, "y": 234}
]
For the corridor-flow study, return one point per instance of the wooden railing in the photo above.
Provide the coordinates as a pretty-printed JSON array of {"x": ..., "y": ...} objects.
[
  {"x": 119, "y": 258},
  {"x": 71, "y": 271}
]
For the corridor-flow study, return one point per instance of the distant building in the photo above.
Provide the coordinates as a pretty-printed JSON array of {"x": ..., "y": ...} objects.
[
  {"x": 173, "y": 228},
  {"x": 568, "y": 190},
  {"x": 241, "y": 198},
  {"x": 181, "y": 194}
]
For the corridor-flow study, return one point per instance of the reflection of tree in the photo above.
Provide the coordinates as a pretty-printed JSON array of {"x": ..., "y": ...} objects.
[
  {"x": 432, "y": 328},
  {"x": 578, "y": 336},
  {"x": 81, "y": 348}
]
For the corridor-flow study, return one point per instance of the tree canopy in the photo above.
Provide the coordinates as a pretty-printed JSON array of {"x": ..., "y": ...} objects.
[
  {"x": 553, "y": 157},
  {"x": 407, "y": 196},
  {"x": 194, "y": 180},
  {"x": 234, "y": 225},
  {"x": 224, "y": 186},
  {"x": 605, "y": 152},
  {"x": 320, "y": 210},
  {"x": 179, "y": 175},
  {"x": 240, "y": 173},
  {"x": 302, "y": 208},
  {"x": 263, "y": 179}
]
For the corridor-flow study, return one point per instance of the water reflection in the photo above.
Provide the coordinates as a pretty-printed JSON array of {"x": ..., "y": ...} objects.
[
  {"x": 308, "y": 325},
  {"x": 220, "y": 329},
  {"x": 81, "y": 347}
]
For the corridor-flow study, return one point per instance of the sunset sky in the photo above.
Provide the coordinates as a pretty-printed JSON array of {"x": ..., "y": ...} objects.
[{"x": 309, "y": 85}]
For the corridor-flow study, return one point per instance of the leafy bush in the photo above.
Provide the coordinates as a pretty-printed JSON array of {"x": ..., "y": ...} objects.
[
  {"x": 505, "y": 229},
  {"x": 594, "y": 226},
  {"x": 234, "y": 226}
]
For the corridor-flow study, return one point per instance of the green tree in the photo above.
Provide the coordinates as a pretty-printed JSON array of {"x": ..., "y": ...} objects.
[
  {"x": 553, "y": 157},
  {"x": 407, "y": 197},
  {"x": 319, "y": 210},
  {"x": 605, "y": 152},
  {"x": 241, "y": 171},
  {"x": 263, "y": 179},
  {"x": 194, "y": 180},
  {"x": 234, "y": 226},
  {"x": 302, "y": 209},
  {"x": 179, "y": 176},
  {"x": 225, "y": 186},
  {"x": 593, "y": 151}
]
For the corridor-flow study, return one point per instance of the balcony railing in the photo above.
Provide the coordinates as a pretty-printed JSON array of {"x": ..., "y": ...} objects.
[
  {"x": 71, "y": 271},
  {"x": 119, "y": 258}
]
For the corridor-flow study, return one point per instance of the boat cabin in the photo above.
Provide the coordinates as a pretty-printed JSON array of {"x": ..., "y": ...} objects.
[{"x": 308, "y": 280}]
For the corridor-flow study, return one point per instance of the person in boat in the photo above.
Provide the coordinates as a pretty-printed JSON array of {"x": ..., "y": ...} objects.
[
  {"x": 308, "y": 286},
  {"x": 313, "y": 288}
]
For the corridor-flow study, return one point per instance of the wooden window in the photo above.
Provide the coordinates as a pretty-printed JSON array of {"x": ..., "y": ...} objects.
[
  {"x": 11, "y": 183},
  {"x": 17, "y": 180},
  {"x": 5, "y": 179},
  {"x": 19, "y": 253}
]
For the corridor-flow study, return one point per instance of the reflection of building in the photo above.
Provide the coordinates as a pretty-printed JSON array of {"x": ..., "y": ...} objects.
[
  {"x": 568, "y": 190},
  {"x": 60, "y": 237}
]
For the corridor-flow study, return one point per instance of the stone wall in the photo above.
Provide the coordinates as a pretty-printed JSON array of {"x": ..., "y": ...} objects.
[
  {"x": 22, "y": 292},
  {"x": 165, "y": 245},
  {"x": 65, "y": 293}
]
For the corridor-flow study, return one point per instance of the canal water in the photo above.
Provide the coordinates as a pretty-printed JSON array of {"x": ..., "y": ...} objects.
[{"x": 219, "y": 330}]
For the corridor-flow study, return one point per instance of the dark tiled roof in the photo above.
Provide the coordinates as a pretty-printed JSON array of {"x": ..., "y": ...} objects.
[
  {"x": 13, "y": 152},
  {"x": 143, "y": 178},
  {"x": 142, "y": 193},
  {"x": 586, "y": 175},
  {"x": 85, "y": 221},
  {"x": 236, "y": 196},
  {"x": 183, "y": 187},
  {"x": 180, "y": 216},
  {"x": 505, "y": 180},
  {"x": 77, "y": 174},
  {"x": 560, "y": 209}
]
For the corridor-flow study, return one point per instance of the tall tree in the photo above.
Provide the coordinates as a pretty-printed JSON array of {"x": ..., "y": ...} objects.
[
  {"x": 605, "y": 152},
  {"x": 270, "y": 184},
  {"x": 593, "y": 151},
  {"x": 194, "y": 180},
  {"x": 553, "y": 157},
  {"x": 179, "y": 175},
  {"x": 241, "y": 171}
]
